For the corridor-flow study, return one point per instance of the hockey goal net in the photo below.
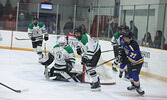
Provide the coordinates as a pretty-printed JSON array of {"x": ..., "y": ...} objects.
[{"x": 104, "y": 72}]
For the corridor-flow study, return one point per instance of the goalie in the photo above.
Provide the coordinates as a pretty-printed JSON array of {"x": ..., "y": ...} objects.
[{"x": 64, "y": 60}]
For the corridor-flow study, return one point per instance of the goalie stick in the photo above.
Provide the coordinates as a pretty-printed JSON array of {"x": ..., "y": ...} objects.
[
  {"x": 92, "y": 68},
  {"x": 17, "y": 91}
]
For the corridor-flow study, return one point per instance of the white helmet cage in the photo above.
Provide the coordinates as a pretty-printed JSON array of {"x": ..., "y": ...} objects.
[{"x": 62, "y": 41}]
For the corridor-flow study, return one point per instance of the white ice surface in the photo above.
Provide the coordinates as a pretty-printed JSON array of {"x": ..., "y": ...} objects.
[{"x": 20, "y": 70}]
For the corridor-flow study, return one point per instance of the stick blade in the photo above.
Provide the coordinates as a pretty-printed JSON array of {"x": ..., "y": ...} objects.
[
  {"x": 16, "y": 38},
  {"x": 21, "y": 39},
  {"x": 23, "y": 90}
]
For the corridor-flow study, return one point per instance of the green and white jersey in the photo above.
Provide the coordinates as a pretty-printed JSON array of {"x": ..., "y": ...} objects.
[
  {"x": 62, "y": 53},
  {"x": 115, "y": 40},
  {"x": 36, "y": 31},
  {"x": 89, "y": 46}
]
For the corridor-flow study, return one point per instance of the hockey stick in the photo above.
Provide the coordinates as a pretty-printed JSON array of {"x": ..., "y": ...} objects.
[
  {"x": 26, "y": 39},
  {"x": 92, "y": 68},
  {"x": 101, "y": 51},
  {"x": 17, "y": 91},
  {"x": 21, "y": 39},
  {"x": 45, "y": 48},
  {"x": 106, "y": 51},
  {"x": 46, "y": 67}
]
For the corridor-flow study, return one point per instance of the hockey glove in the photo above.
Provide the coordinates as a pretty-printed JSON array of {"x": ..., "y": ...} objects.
[
  {"x": 46, "y": 37},
  {"x": 79, "y": 52},
  {"x": 120, "y": 55},
  {"x": 33, "y": 38},
  {"x": 68, "y": 65},
  {"x": 29, "y": 34},
  {"x": 85, "y": 61}
]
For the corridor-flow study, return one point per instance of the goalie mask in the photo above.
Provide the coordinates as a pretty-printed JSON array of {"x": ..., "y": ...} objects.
[{"x": 62, "y": 41}]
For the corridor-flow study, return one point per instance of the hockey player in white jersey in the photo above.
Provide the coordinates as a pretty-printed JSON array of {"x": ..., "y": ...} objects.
[
  {"x": 64, "y": 60},
  {"x": 90, "y": 51},
  {"x": 36, "y": 30},
  {"x": 116, "y": 43}
]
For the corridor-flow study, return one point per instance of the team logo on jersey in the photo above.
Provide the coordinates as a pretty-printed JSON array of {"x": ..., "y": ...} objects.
[
  {"x": 59, "y": 55},
  {"x": 36, "y": 30}
]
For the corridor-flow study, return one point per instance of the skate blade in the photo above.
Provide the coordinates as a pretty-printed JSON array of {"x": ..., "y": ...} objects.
[
  {"x": 96, "y": 90},
  {"x": 141, "y": 93},
  {"x": 115, "y": 71}
]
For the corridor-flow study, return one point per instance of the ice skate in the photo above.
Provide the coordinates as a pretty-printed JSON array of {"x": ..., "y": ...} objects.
[
  {"x": 120, "y": 75},
  {"x": 130, "y": 88},
  {"x": 95, "y": 86},
  {"x": 126, "y": 76},
  {"x": 114, "y": 67},
  {"x": 140, "y": 91}
]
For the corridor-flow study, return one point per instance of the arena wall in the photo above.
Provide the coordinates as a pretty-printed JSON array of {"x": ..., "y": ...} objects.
[{"x": 154, "y": 65}]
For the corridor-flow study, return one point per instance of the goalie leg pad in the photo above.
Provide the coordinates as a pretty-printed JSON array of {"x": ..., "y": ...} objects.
[
  {"x": 59, "y": 77},
  {"x": 63, "y": 75},
  {"x": 74, "y": 77}
]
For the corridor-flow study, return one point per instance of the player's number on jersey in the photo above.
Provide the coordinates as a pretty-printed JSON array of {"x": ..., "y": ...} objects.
[
  {"x": 133, "y": 55},
  {"x": 59, "y": 56}
]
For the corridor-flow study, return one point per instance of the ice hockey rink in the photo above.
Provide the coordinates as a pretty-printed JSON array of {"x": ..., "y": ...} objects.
[{"x": 21, "y": 70}]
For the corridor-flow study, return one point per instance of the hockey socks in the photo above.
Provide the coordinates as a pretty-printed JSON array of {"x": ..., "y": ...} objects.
[{"x": 95, "y": 85}]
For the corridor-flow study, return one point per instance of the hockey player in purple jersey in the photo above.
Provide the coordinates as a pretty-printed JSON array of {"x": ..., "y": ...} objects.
[{"x": 133, "y": 59}]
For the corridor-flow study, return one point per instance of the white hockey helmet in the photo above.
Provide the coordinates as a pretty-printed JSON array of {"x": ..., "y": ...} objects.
[{"x": 62, "y": 41}]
